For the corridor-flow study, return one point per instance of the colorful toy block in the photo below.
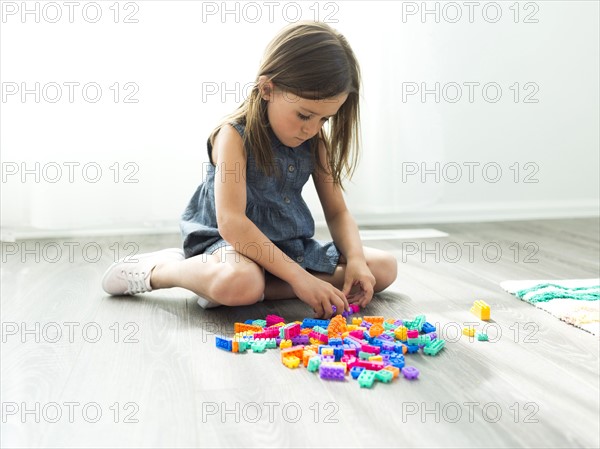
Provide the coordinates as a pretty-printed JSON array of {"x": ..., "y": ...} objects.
[
  {"x": 313, "y": 363},
  {"x": 392, "y": 369},
  {"x": 374, "y": 319},
  {"x": 223, "y": 343},
  {"x": 355, "y": 371},
  {"x": 291, "y": 361},
  {"x": 259, "y": 323},
  {"x": 376, "y": 330},
  {"x": 366, "y": 378},
  {"x": 427, "y": 328},
  {"x": 482, "y": 337},
  {"x": 384, "y": 375},
  {"x": 285, "y": 344},
  {"x": 468, "y": 331},
  {"x": 410, "y": 372},
  {"x": 401, "y": 333},
  {"x": 259, "y": 346},
  {"x": 330, "y": 371},
  {"x": 481, "y": 310},
  {"x": 436, "y": 346},
  {"x": 274, "y": 319}
]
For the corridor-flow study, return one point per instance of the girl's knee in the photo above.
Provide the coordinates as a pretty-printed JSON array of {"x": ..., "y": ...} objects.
[
  {"x": 385, "y": 270},
  {"x": 237, "y": 286}
]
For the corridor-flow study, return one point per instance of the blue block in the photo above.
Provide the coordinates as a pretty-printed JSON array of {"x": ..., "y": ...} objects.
[
  {"x": 412, "y": 348},
  {"x": 428, "y": 327},
  {"x": 338, "y": 353},
  {"x": 248, "y": 321},
  {"x": 356, "y": 370},
  {"x": 335, "y": 342},
  {"x": 223, "y": 343}
]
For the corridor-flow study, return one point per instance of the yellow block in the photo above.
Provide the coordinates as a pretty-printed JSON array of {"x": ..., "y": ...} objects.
[{"x": 481, "y": 310}]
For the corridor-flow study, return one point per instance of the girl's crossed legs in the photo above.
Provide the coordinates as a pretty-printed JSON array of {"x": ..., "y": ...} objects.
[{"x": 232, "y": 279}]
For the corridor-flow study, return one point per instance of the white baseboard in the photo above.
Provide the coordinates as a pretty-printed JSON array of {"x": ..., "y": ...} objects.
[{"x": 456, "y": 213}]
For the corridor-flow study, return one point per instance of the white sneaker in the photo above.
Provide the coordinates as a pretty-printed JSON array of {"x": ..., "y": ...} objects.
[{"x": 128, "y": 277}]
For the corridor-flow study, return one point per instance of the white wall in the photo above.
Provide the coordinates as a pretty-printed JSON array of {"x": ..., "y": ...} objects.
[{"x": 170, "y": 54}]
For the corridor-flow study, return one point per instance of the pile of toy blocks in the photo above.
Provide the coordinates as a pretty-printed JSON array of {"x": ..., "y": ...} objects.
[{"x": 369, "y": 348}]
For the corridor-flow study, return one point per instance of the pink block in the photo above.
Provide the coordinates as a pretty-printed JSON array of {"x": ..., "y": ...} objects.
[
  {"x": 274, "y": 319},
  {"x": 292, "y": 331},
  {"x": 375, "y": 366},
  {"x": 357, "y": 334},
  {"x": 370, "y": 348},
  {"x": 412, "y": 333}
]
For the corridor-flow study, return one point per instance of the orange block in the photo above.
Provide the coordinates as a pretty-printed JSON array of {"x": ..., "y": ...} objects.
[
  {"x": 296, "y": 351},
  {"x": 374, "y": 319},
  {"x": 235, "y": 346},
  {"x": 243, "y": 327},
  {"x": 376, "y": 330},
  {"x": 395, "y": 371}
]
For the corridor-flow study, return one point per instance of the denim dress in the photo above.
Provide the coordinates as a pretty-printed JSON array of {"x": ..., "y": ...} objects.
[{"x": 274, "y": 204}]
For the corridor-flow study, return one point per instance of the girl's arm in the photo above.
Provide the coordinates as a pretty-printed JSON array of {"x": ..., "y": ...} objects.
[{"x": 344, "y": 232}]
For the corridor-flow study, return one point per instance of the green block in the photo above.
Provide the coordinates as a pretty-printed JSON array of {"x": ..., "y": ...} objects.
[
  {"x": 261, "y": 323},
  {"x": 384, "y": 376},
  {"x": 388, "y": 326},
  {"x": 424, "y": 340},
  {"x": 436, "y": 346},
  {"x": 364, "y": 355},
  {"x": 259, "y": 346},
  {"x": 242, "y": 346},
  {"x": 271, "y": 343},
  {"x": 419, "y": 321},
  {"x": 313, "y": 363},
  {"x": 409, "y": 324},
  {"x": 366, "y": 378},
  {"x": 320, "y": 330},
  {"x": 482, "y": 337},
  {"x": 282, "y": 332}
]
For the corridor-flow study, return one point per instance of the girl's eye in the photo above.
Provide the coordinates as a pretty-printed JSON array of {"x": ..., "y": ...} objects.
[{"x": 303, "y": 117}]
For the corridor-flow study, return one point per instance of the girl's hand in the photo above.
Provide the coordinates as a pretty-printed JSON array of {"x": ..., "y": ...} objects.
[
  {"x": 358, "y": 275},
  {"x": 320, "y": 295}
]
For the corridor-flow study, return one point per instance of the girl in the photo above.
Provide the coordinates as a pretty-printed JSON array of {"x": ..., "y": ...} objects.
[{"x": 247, "y": 233}]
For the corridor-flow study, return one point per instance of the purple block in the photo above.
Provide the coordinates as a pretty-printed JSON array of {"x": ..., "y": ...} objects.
[
  {"x": 331, "y": 372},
  {"x": 300, "y": 340},
  {"x": 410, "y": 372},
  {"x": 328, "y": 358},
  {"x": 398, "y": 323},
  {"x": 388, "y": 346},
  {"x": 386, "y": 337},
  {"x": 432, "y": 335}
]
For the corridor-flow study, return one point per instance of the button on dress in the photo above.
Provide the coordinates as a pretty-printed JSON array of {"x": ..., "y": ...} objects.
[{"x": 274, "y": 204}]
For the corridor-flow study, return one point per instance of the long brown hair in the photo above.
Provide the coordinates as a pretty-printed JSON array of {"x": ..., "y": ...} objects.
[{"x": 313, "y": 61}]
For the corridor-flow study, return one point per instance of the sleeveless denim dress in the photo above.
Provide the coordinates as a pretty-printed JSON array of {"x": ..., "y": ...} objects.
[{"x": 274, "y": 204}]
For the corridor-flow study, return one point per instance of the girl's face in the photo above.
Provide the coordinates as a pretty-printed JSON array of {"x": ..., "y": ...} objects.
[{"x": 295, "y": 119}]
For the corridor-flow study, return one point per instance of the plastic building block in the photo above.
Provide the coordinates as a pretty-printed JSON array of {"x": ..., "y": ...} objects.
[
  {"x": 297, "y": 351},
  {"x": 325, "y": 350},
  {"x": 319, "y": 336},
  {"x": 396, "y": 360},
  {"x": 223, "y": 343},
  {"x": 306, "y": 356},
  {"x": 370, "y": 348},
  {"x": 259, "y": 346},
  {"x": 482, "y": 337},
  {"x": 327, "y": 358},
  {"x": 401, "y": 333},
  {"x": 384, "y": 376},
  {"x": 274, "y": 319},
  {"x": 375, "y": 358},
  {"x": 436, "y": 346},
  {"x": 285, "y": 344},
  {"x": 357, "y": 321},
  {"x": 374, "y": 319},
  {"x": 411, "y": 349},
  {"x": 481, "y": 310},
  {"x": 392, "y": 369},
  {"x": 376, "y": 330},
  {"x": 427, "y": 328},
  {"x": 330, "y": 371},
  {"x": 468, "y": 331},
  {"x": 335, "y": 342},
  {"x": 372, "y": 366},
  {"x": 410, "y": 372},
  {"x": 259, "y": 323},
  {"x": 242, "y": 327},
  {"x": 300, "y": 340},
  {"x": 355, "y": 308},
  {"x": 355, "y": 371},
  {"x": 291, "y": 361},
  {"x": 366, "y": 378},
  {"x": 290, "y": 331},
  {"x": 424, "y": 340},
  {"x": 313, "y": 363}
]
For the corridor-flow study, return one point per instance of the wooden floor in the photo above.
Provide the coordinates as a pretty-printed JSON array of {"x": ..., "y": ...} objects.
[{"x": 152, "y": 377}]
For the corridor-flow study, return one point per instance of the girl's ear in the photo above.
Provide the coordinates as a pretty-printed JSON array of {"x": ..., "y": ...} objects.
[{"x": 265, "y": 87}]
